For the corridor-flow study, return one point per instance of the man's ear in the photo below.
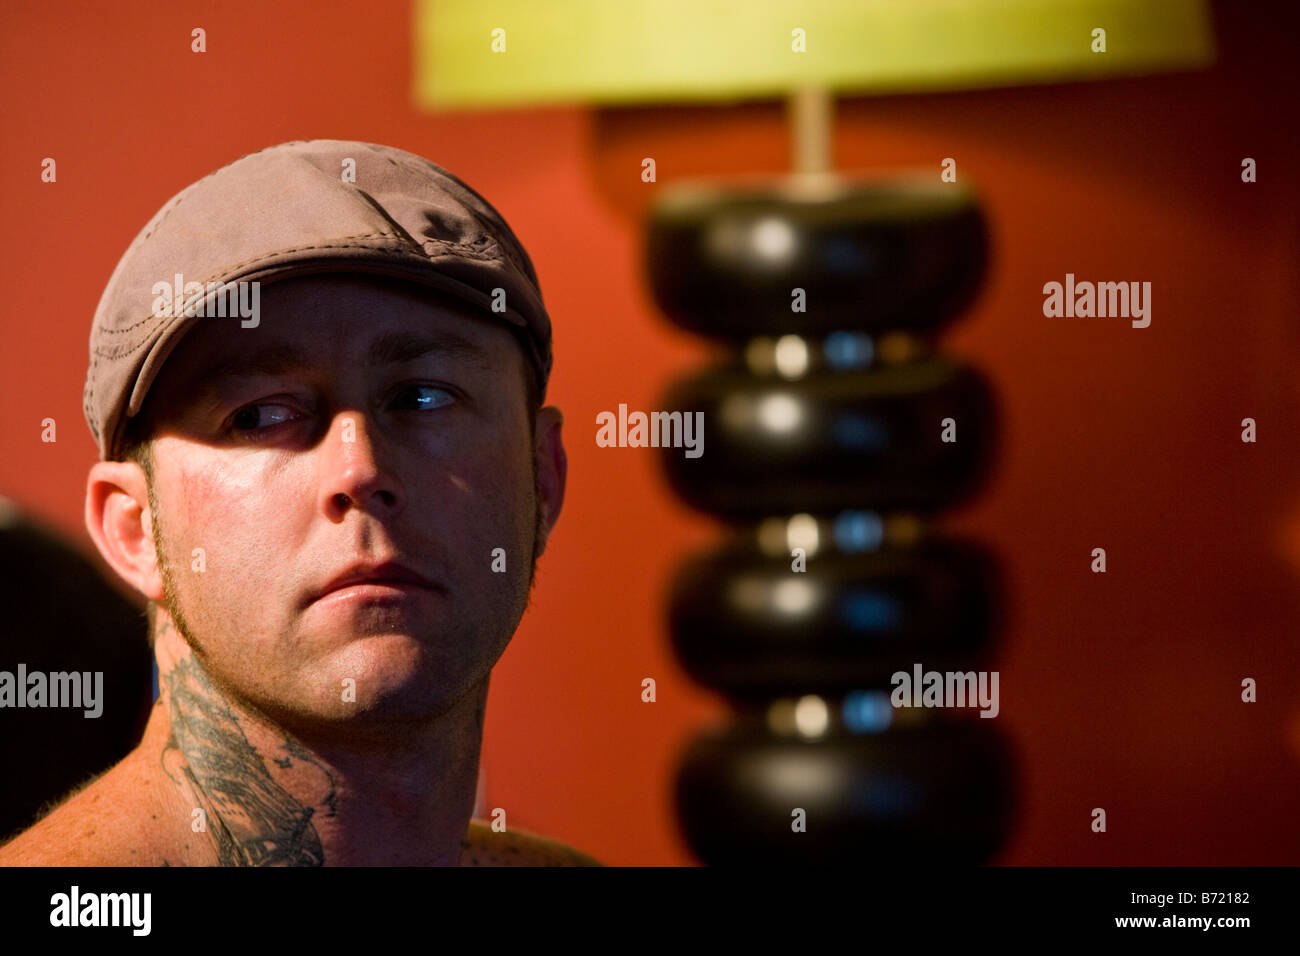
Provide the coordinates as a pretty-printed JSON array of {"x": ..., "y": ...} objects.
[
  {"x": 121, "y": 524},
  {"x": 552, "y": 468}
]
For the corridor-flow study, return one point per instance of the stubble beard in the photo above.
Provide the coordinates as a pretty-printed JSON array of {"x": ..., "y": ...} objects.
[{"x": 171, "y": 594}]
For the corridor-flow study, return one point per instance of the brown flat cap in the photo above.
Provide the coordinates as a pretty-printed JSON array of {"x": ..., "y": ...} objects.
[{"x": 319, "y": 206}]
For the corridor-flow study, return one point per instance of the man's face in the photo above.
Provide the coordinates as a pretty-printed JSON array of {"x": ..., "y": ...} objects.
[{"x": 358, "y": 423}]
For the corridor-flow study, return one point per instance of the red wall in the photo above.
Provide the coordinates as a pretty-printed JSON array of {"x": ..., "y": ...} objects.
[{"x": 1121, "y": 690}]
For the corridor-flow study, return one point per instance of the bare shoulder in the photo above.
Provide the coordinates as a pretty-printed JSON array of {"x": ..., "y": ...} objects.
[
  {"x": 516, "y": 847},
  {"x": 102, "y": 822}
]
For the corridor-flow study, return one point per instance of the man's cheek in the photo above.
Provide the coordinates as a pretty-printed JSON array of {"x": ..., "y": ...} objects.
[{"x": 230, "y": 541}]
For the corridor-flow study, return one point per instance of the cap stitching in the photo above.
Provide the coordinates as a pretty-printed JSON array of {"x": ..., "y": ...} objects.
[
  {"x": 104, "y": 330},
  {"x": 113, "y": 352},
  {"x": 462, "y": 249},
  {"x": 484, "y": 247}
]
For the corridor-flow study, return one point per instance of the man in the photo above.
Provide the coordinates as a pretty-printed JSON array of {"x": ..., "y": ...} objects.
[{"x": 316, "y": 382}]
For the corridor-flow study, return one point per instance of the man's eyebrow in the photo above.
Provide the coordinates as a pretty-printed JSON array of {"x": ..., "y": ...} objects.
[
  {"x": 272, "y": 360},
  {"x": 398, "y": 347},
  {"x": 393, "y": 348}
]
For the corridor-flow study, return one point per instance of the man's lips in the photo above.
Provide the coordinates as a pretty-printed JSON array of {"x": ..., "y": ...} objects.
[{"x": 388, "y": 572}]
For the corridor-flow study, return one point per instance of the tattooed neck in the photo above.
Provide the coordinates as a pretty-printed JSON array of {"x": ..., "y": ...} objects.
[
  {"x": 257, "y": 792},
  {"x": 250, "y": 817}
]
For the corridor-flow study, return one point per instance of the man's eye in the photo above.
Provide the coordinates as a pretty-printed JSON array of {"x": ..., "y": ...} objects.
[
  {"x": 420, "y": 397},
  {"x": 254, "y": 417}
]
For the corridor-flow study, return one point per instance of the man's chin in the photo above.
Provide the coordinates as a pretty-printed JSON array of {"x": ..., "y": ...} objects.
[
  {"x": 389, "y": 716},
  {"x": 393, "y": 677}
]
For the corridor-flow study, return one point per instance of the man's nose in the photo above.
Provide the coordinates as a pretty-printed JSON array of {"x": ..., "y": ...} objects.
[{"x": 356, "y": 472}]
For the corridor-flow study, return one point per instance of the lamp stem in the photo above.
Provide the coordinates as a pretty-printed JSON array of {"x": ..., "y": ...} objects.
[{"x": 811, "y": 112}]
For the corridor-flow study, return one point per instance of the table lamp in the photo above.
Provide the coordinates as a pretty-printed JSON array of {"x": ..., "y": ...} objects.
[{"x": 846, "y": 630}]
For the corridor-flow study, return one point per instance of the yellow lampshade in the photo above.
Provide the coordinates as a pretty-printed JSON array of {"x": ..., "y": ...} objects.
[{"x": 483, "y": 53}]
